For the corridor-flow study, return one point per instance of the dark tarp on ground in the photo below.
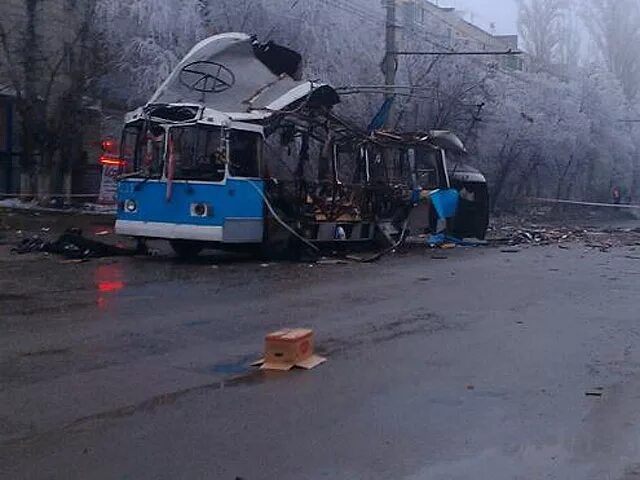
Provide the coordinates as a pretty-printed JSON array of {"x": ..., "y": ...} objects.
[{"x": 71, "y": 244}]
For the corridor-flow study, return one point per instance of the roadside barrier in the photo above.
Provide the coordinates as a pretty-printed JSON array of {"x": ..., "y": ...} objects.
[{"x": 586, "y": 204}]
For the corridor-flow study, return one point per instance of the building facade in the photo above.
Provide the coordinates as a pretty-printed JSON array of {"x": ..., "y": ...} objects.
[
  {"x": 49, "y": 29},
  {"x": 444, "y": 28}
]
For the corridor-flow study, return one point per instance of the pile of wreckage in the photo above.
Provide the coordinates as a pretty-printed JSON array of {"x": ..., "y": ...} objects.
[{"x": 537, "y": 235}]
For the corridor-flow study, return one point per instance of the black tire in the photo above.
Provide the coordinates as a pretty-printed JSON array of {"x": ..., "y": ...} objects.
[{"x": 186, "y": 249}]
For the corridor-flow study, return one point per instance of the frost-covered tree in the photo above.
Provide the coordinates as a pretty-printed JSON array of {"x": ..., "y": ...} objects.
[
  {"x": 542, "y": 24},
  {"x": 615, "y": 28},
  {"x": 571, "y": 43},
  {"x": 534, "y": 134},
  {"x": 147, "y": 38}
]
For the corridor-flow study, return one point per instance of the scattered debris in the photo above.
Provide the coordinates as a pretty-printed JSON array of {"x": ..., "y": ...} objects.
[
  {"x": 46, "y": 352},
  {"x": 74, "y": 261},
  {"x": 510, "y": 250},
  {"x": 332, "y": 261},
  {"x": 537, "y": 235},
  {"x": 445, "y": 242},
  {"x": 72, "y": 245},
  {"x": 596, "y": 392}
]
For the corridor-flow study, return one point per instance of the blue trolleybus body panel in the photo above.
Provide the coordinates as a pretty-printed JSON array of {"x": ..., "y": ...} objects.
[{"x": 227, "y": 212}]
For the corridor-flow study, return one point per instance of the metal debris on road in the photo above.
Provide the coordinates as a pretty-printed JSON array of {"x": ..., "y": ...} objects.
[
  {"x": 537, "y": 235},
  {"x": 594, "y": 394},
  {"x": 332, "y": 261}
]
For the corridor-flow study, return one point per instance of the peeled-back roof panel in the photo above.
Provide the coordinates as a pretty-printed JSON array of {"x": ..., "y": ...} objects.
[{"x": 223, "y": 73}]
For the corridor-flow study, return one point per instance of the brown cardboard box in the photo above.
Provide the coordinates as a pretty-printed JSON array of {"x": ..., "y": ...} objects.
[{"x": 290, "y": 348}]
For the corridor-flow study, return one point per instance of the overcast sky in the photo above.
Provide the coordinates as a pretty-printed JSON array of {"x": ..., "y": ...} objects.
[{"x": 502, "y": 13}]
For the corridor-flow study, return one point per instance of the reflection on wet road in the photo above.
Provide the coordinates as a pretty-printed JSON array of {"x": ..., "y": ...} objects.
[{"x": 109, "y": 279}]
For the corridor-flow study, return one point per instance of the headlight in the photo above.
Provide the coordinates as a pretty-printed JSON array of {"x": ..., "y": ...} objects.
[{"x": 130, "y": 206}]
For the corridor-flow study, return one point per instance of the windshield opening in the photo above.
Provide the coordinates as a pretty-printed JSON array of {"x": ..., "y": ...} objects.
[
  {"x": 428, "y": 168},
  {"x": 199, "y": 153},
  {"x": 142, "y": 149},
  {"x": 244, "y": 154}
]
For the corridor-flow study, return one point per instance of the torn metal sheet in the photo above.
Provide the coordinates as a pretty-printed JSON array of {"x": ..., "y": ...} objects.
[{"x": 230, "y": 73}]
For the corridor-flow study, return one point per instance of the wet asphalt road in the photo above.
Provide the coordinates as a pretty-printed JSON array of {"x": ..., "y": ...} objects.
[{"x": 474, "y": 366}]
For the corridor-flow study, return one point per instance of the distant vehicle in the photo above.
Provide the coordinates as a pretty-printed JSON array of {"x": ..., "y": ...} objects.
[{"x": 234, "y": 151}]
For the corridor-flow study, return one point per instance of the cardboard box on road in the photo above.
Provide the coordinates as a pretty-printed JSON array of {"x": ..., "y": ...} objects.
[{"x": 290, "y": 348}]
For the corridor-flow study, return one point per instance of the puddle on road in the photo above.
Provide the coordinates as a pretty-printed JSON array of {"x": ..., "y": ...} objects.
[{"x": 230, "y": 368}]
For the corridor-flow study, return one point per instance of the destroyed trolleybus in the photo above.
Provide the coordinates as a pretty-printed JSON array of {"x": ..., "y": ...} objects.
[{"x": 235, "y": 151}]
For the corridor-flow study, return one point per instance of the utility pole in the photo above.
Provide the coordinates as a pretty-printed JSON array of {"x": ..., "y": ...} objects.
[{"x": 390, "y": 63}]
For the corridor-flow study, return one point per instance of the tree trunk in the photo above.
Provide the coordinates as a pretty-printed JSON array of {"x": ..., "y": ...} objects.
[
  {"x": 591, "y": 178},
  {"x": 25, "y": 185},
  {"x": 635, "y": 183},
  {"x": 44, "y": 186},
  {"x": 67, "y": 182}
]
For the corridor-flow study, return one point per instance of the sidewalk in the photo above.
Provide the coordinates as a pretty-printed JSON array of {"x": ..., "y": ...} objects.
[{"x": 33, "y": 206}]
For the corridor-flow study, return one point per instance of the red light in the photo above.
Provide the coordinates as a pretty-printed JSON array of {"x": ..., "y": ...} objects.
[
  {"x": 108, "y": 146},
  {"x": 108, "y": 161},
  {"x": 109, "y": 280},
  {"x": 110, "y": 287}
]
